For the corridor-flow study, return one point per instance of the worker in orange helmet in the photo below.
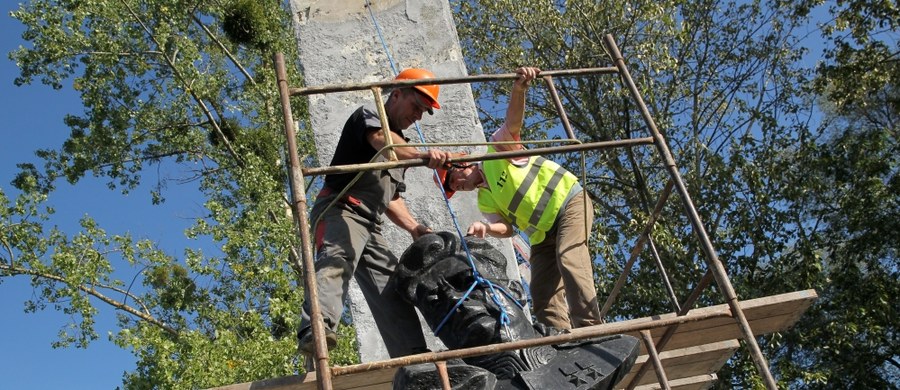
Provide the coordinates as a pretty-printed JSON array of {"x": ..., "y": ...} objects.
[
  {"x": 348, "y": 235},
  {"x": 544, "y": 201}
]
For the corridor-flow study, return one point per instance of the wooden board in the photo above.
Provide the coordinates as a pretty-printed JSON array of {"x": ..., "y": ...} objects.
[
  {"x": 686, "y": 362},
  {"x": 684, "y": 366},
  {"x": 371, "y": 380},
  {"x": 694, "y": 348},
  {"x": 699, "y": 382},
  {"x": 765, "y": 315}
]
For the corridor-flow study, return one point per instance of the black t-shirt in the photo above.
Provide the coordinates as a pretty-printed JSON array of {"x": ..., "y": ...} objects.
[{"x": 374, "y": 188}]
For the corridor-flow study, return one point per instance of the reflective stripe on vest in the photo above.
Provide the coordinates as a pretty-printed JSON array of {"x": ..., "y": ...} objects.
[{"x": 529, "y": 196}]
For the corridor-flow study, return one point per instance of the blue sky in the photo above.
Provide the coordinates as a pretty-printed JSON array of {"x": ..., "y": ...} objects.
[{"x": 33, "y": 119}]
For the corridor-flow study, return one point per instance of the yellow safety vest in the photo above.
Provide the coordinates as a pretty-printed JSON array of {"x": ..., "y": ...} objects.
[{"x": 529, "y": 196}]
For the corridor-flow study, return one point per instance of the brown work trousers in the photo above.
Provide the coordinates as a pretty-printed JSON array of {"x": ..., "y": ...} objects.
[{"x": 562, "y": 274}]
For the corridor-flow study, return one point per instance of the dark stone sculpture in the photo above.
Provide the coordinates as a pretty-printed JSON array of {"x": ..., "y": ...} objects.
[{"x": 468, "y": 309}]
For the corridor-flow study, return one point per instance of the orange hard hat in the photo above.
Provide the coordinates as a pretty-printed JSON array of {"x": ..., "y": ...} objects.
[
  {"x": 443, "y": 178},
  {"x": 444, "y": 172},
  {"x": 430, "y": 90}
]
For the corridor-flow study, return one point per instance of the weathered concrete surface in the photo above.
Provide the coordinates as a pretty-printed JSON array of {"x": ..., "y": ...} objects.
[{"x": 339, "y": 44}]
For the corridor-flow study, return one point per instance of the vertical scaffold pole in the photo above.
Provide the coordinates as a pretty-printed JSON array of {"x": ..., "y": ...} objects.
[
  {"x": 654, "y": 358},
  {"x": 712, "y": 258},
  {"x": 298, "y": 207},
  {"x": 385, "y": 126}
]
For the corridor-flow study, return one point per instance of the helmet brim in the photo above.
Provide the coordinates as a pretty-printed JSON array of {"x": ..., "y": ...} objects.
[
  {"x": 443, "y": 180},
  {"x": 427, "y": 93}
]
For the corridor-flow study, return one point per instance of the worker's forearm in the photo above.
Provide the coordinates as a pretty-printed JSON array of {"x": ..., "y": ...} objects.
[
  {"x": 515, "y": 112},
  {"x": 500, "y": 230},
  {"x": 400, "y": 215},
  {"x": 409, "y": 153}
]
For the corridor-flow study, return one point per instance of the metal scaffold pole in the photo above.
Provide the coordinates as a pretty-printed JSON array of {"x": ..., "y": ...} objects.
[{"x": 298, "y": 206}]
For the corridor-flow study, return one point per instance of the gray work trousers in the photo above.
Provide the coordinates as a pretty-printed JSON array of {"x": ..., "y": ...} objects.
[{"x": 349, "y": 243}]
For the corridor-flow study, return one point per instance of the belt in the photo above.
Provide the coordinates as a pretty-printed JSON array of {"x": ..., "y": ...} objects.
[{"x": 327, "y": 191}]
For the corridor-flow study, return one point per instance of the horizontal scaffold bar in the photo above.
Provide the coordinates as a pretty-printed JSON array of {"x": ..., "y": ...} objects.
[
  {"x": 443, "y": 80},
  {"x": 416, "y": 162},
  {"x": 583, "y": 334}
]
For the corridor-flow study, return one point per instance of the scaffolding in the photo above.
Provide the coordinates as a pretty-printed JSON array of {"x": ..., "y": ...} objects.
[{"x": 688, "y": 333}]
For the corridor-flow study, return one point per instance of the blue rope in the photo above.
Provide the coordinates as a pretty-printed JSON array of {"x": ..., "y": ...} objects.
[
  {"x": 390, "y": 58},
  {"x": 457, "y": 305},
  {"x": 381, "y": 36},
  {"x": 504, "y": 316}
]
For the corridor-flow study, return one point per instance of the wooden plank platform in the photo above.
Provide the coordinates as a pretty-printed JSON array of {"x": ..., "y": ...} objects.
[
  {"x": 699, "y": 382},
  {"x": 765, "y": 315},
  {"x": 691, "y": 358},
  {"x": 685, "y": 362},
  {"x": 689, "y": 367},
  {"x": 372, "y": 380}
]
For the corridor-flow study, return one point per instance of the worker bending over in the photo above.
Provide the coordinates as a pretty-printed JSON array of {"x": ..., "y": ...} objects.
[{"x": 548, "y": 204}]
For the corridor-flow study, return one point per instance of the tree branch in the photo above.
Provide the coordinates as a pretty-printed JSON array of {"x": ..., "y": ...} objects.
[
  {"x": 120, "y": 54},
  {"x": 187, "y": 86},
  {"x": 12, "y": 256},
  {"x": 144, "y": 158},
  {"x": 93, "y": 292},
  {"x": 294, "y": 254},
  {"x": 128, "y": 294},
  {"x": 893, "y": 362},
  {"x": 224, "y": 49}
]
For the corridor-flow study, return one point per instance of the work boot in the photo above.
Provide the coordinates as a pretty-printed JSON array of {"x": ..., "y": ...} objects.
[{"x": 307, "y": 343}]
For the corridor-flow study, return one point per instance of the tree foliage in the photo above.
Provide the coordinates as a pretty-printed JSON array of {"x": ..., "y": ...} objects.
[
  {"x": 163, "y": 86},
  {"x": 781, "y": 197},
  {"x": 845, "y": 185}
]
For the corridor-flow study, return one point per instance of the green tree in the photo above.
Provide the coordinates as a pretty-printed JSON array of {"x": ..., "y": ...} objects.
[
  {"x": 845, "y": 187},
  {"x": 725, "y": 83},
  {"x": 176, "y": 84}
]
